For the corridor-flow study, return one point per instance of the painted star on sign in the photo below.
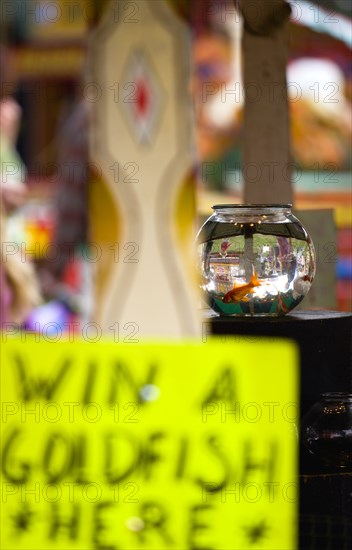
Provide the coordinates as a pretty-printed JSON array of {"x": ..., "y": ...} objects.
[
  {"x": 256, "y": 532},
  {"x": 22, "y": 519}
]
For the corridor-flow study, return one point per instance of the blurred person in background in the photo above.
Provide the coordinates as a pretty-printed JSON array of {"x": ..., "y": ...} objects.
[
  {"x": 13, "y": 173},
  {"x": 19, "y": 290}
]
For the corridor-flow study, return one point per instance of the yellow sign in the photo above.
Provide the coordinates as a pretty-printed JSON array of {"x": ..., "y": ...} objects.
[{"x": 171, "y": 446}]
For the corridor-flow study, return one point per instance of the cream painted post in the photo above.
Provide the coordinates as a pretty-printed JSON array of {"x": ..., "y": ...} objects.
[{"x": 142, "y": 142}]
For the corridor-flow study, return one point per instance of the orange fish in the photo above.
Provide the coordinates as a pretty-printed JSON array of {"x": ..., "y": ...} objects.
[{"x": 239, "y": 292}]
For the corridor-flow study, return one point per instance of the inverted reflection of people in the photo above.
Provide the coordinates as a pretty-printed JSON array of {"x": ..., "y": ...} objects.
[{"x": 19, "y": 291}]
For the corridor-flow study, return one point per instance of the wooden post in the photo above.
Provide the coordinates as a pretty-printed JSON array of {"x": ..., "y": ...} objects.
[{"x": 267, "y": 159}]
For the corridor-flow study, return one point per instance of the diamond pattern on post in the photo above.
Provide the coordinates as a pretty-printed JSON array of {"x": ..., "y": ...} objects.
[{"x": 142, "y": 97}]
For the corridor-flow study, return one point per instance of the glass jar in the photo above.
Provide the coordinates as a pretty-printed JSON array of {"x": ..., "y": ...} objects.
[
  {"x": 326, "y": 430},
  {"x": 254, "y": 259}
]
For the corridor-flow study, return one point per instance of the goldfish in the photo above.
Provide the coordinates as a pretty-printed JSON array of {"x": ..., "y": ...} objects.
[{"x": 239, "y": 292}]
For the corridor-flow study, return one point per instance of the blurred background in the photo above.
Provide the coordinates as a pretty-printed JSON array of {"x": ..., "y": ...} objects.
[{"x": 43, "y": 109}]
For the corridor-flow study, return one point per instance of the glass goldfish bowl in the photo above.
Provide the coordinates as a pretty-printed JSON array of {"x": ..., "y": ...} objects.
[{"x": 254, "y": 260}]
